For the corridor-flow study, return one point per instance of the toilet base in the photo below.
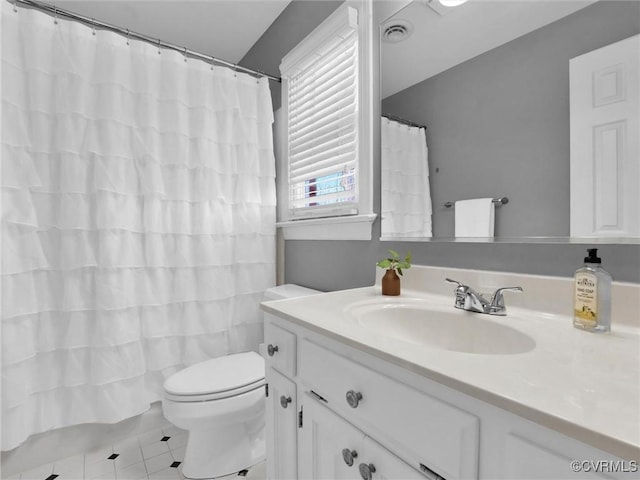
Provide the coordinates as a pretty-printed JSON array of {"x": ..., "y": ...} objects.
[{"x": 223, "y": 451}]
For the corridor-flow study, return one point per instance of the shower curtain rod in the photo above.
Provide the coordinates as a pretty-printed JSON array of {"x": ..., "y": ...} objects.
[
  {"x": 92, "y": 22},
  {"x": 403, "y": 121}
]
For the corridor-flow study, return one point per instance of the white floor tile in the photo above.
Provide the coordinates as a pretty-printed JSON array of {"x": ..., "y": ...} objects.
[
  {"x": 154, "y": 449},
  {"x": 142, "y": 457},
  {"x": 70, "y": 467},
  {"x": 150, "y": 437},
  {"x": 178, "y": 440},
  {"x": 105, "y": 476},
  {"x": 104, "y": 469},
  {"x": 155, "y": 464},
  {"x": 128, "y": 457},
  {"x": 12, "y": 477},
  {"x": 258, "y": 472},
  {"x": 132, "y": 472},
  {"x": 170, "y": 473},
  {"x": 39, "y": 473},
  {"x": 97, "y": 455},
  {"x": 178, "y": 454},
  {"x": 126, "y": 444},
  {"x": 171, "y": 430}
]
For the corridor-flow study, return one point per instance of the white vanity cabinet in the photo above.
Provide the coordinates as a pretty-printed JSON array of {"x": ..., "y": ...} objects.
[
  {"x": 341, "y": 411},
  {"x": 321, "y": 403}
]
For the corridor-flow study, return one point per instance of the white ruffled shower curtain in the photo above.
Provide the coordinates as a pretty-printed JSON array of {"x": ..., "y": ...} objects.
[
  {"x": 406, "y": 194},
  {"x": 138, "y": 220}
]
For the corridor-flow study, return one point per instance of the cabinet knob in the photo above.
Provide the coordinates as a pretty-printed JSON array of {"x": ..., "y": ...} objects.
[
  {"x": 366, "y": 471},
  {"x": 353, "y": 398},
  {"x": 272, "y": 349},
  {"x": 285, "y": 401},
  {"x": 348, "y": 456}
]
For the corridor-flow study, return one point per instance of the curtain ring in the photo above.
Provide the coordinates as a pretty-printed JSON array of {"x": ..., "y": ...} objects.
[
  {"x": 159, "y": 51},
  {"x": 15, "y": 6},
  {"x": 185, "y": 54},
  {"x": 128, "y": 37},
  {"x": 55, "y": 15},
  {"x": 93, "y": 27}
]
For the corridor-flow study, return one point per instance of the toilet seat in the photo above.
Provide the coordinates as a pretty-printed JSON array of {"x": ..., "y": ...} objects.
[{"x": 216, "y": 379}]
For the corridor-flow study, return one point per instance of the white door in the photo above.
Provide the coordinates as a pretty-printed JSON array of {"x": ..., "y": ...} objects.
[
  {"x": 281, "y": 418},
  {"x": 605, "y": 153}
]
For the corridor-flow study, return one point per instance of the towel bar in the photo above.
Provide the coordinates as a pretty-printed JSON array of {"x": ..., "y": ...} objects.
[{"x": 498, "y": 202}]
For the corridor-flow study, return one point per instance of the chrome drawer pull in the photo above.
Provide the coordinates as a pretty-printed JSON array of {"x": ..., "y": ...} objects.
[
  {"x": 348, "y": 456},
  {"x": 353, "y": 398},
  {"x": 272, "y": 349},
  {"x": 367, "y": 471},
  {"x": 285, "y": 401}
]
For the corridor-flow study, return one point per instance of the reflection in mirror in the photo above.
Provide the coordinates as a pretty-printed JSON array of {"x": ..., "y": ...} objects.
[
  {"x": 404, "y": 183},
  {"x": 490, "y": 81}
]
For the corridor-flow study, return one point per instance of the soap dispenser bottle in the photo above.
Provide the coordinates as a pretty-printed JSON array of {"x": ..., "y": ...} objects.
[{"x": 592, "y": 295}]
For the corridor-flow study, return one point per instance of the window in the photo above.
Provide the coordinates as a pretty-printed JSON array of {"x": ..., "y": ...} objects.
[{"x": 324, "y": 113}]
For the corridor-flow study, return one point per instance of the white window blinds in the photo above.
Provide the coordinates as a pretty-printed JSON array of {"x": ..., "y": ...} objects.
[{"x": 322, "y": 122}]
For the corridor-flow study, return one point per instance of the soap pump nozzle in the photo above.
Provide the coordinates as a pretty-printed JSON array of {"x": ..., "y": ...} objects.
[{"x": 593, "y": 256}]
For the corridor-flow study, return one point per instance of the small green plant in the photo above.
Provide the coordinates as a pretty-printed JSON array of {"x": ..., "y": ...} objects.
[{"x": 394, "y": 262}]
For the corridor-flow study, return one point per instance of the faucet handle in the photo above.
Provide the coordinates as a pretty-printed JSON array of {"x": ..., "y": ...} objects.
[
  {"x": 497, "y": 300},
  {"x": 460, "y": 284}
]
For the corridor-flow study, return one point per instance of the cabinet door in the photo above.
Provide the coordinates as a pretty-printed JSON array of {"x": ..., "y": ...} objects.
[
  {"x": 387, "y": 466},
  {"x": 281, "y": 427},
  {"x": 324, "y": 436}
]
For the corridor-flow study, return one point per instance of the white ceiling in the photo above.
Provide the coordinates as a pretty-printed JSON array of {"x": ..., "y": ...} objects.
[
  {"x": 225, "y": 29},
  {"x": 441, "y": 42}
]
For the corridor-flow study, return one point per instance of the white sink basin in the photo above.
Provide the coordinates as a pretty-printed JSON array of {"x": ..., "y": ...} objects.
[{"x": 437, "y": 326}]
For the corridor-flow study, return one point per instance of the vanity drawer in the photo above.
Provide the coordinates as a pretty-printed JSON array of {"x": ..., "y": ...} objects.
[
  {"x": 280, "y": 349},
  {"x": 418, "y": 427}
]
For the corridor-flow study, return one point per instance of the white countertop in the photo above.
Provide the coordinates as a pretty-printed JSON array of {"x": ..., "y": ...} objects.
[{"x": 581, "y": 384}]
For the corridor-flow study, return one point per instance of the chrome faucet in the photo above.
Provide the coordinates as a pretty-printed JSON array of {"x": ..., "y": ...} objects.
[{"x": 468, "y": 299}]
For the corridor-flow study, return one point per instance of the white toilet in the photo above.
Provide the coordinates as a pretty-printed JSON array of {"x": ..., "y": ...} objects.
[{"x": 221, "y": 403}]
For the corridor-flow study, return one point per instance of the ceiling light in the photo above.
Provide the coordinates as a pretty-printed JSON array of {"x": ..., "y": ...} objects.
[
  {"x": 452, "y": 3},
  {"x": 443, "y": 7}
]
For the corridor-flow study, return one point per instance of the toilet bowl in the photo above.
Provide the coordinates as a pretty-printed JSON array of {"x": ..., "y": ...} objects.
[{"x": 221, "y": 403}]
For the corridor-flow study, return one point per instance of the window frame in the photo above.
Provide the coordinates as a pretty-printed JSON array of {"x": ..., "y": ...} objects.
[{"x": 334, "y": 224}]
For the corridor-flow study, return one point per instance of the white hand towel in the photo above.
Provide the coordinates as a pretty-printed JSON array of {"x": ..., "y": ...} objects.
[{"x": 475, "y": 217}]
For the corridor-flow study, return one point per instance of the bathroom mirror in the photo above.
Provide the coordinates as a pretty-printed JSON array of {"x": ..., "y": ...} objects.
[{"x": 490, "y": 81}]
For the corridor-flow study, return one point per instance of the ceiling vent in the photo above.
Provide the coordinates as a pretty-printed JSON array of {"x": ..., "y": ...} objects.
[{"x": 396, "y": 31}]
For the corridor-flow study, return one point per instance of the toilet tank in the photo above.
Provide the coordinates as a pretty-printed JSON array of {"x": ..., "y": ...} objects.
[{"x": 288, "y": 290}]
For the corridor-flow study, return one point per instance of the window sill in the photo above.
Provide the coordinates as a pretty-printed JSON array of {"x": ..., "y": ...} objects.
[{"x": 356, "y": 227}]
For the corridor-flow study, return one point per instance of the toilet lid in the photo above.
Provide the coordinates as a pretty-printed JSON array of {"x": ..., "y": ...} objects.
[{"x": 218, "y": 375}]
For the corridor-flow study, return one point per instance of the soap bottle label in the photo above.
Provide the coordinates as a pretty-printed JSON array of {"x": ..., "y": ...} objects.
[{"x": 586, "y": 295}]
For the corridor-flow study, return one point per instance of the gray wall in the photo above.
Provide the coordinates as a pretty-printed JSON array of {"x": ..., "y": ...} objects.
[
  {"x": 498, "y": 125},
  {"x": 334, "y": 265},
  {"x": 292, "y": 25}
]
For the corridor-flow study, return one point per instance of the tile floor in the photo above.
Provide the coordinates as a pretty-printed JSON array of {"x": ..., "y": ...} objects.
[{"x": 153, "y": 455}]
